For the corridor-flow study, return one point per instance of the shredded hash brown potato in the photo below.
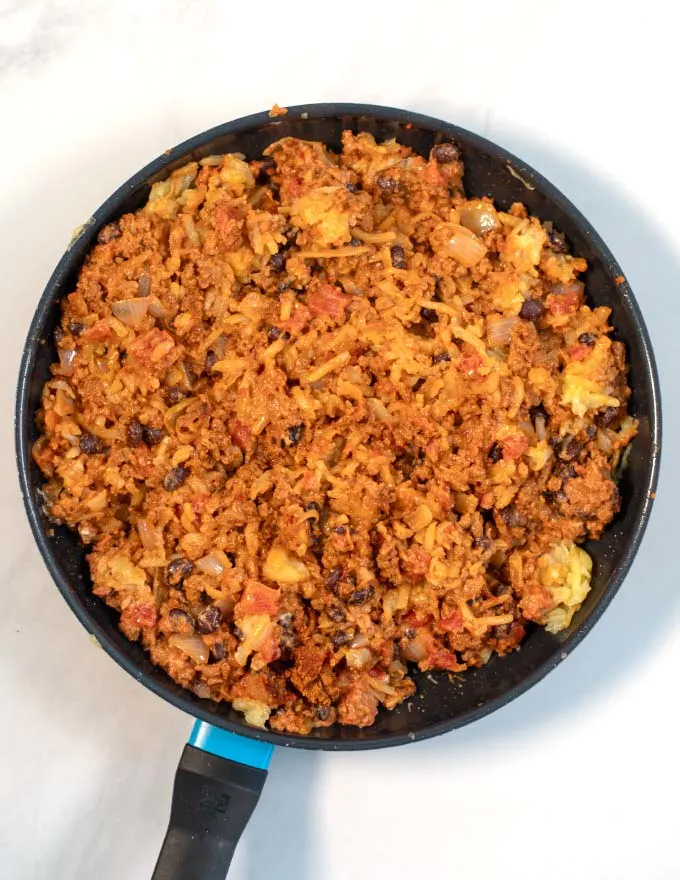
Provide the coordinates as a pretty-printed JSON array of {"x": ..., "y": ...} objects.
[{"x": 319, "y": 417}]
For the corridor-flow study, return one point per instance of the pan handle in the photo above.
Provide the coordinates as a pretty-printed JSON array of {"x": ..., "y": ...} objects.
[{"x": 217, "y": 786}]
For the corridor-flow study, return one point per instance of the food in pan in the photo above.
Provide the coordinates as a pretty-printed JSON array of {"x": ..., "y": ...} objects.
[{"x": 320, "y": 418}]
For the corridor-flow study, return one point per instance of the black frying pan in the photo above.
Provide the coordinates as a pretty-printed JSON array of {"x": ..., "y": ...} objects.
[{"x": 214, "y": 796}]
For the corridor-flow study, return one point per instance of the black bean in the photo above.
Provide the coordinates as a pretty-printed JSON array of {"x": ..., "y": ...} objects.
[
  {"x": 181, "y": 620},
  {"x": 446, "y": 153},
  {"x": 340, "y": 638},
  {"x": 424, "y": 329},
  {"x": 441, "y": 358},
  {"x": 532, "y": 310},
  {"x": 501, "y": 632},
  {"x": 152, "y": 436},
  {"x": 555, "y": 498},
  {"x": 409, "y": 633},
  {"x": 333, "y": 578},
  {"x": 418, "y": 384},
  {"x": 267, "y": 164},
  {"x": 312, "y": 505},
  {"x": 429, "y": 315},
  {"x": 178, "y": 569},
  {"x": 606, "y": 417},
  {"x": 210, "y": 360},
  {"x": 285, "y": 620},
  {"x": 512, "y": 517},
  {"x": 557, "y": 242},
  {"x": 283, "y": 285},
  {"x": 58, "y": 334},
  {"x": 360, "y": 597},
  {"x": 173, "y": 395},
  {"x": 295, "y": 433},
  {"x": 340, "y": 530},
  {"x": 238, "y": 632},
  {"x": 353, "y": 187},
  {"x": 482, "y": 543},
  {"x": 564, "y": 472},
  {"x": 273, "y": 333},
  {"x": 591, "y": 431},
  {"x": 570, "y": 448},
  {"x": 144, "y": 284},
  {"x": 355, "y": 242},
  {"x": 495, "y": 454},
  {"x": 322, "y": 712},
  {"x": 174, "y": 478},
  {"x": 336, "y": 614},
  {"x": 135, "y": 433},
  {"x": 588, "y": 339},
  {"x": 397, "y": 256},
  {"x": 91, "y": 445},
  {"x": 278, "y": 262},
  {"x": 388, "y": 184},
  {"x": 218, "y": 651},
  {"x": 108, "y": 233},
  {"x": 76, "y": 328},
  {"x": 209, "y": 620}
]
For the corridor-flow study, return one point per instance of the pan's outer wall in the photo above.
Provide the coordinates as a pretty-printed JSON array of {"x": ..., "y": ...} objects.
[{"x": 441, "y": 704}]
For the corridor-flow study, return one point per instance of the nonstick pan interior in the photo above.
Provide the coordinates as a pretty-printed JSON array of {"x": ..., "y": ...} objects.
[{"x": 441, "y": 702}]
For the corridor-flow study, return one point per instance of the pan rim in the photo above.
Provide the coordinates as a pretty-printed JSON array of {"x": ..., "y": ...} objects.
[{"x": 81, "y": 244}]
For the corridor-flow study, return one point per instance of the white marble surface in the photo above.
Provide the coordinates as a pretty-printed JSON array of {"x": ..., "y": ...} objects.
[{"x": 579, "y": 777}]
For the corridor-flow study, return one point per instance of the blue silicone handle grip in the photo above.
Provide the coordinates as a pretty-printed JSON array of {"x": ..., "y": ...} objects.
[{"x": 250, "y": 752}]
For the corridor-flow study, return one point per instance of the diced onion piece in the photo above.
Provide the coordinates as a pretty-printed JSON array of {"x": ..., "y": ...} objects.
[
  {"x": 225, "y": 606},
  {"x": 283, "y": 568},
  {"x": 202, "y": 690},
  {"x": 359, "y": 641},
  {"x": 256, "y": 713},
  {"x": 193, "y": 646},
  {"x": 358, "y": 658},
  {"x": 382, "y": 687},
  {"x": 210, "y": 564},
  {"x": 67, "y": 358},
  {"x": 149, "y": 536},
  {"x": 604, "y": 444},
  {"x": 131, "y": 311},
  {"x": 499, "y": 329},
  {"x": 157, "y": 309},
  {"x": 397, "y": 669},
  {"x": 415, "y": 651},
  {"x": 479, "y": 217},
  {"x": 465, "y": 247}
]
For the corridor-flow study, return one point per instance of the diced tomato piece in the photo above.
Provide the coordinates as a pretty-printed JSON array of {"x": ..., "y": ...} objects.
[
  {"x": 326, "y": 299},
  {"x": 142, "y": 615},
  {"x": 470, "y": 361},
  {"x": 443, "y": 659},
  {"x": 98, "y": 332},
  {"x": 453, "y": 623},
  {"x": 270, "y": 651},
  {"x": 257, "y": 599},
  {"x": 579, "y": 352},
  {"x": 514, "y": 446},
  {"x": 563, "y": 303},
  {"x": 240, "y": 434}
]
